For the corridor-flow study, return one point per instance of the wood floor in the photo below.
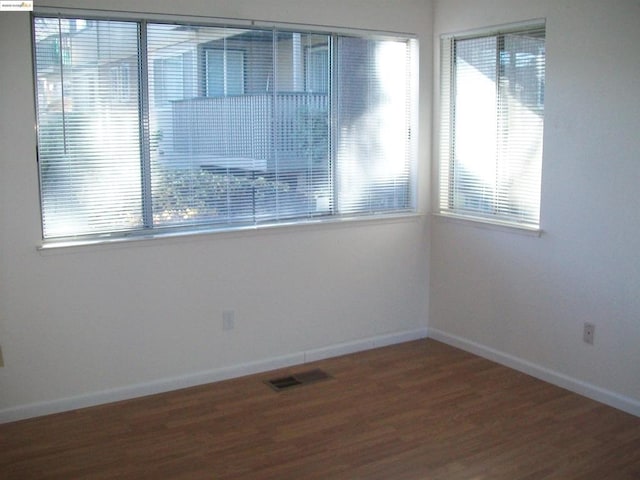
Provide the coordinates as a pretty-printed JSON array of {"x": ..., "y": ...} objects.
[{"x": 419, "y": 410}]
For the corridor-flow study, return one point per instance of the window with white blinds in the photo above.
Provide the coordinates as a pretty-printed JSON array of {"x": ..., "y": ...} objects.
[
  {"x": 492, "y": 116},
  {"x": 147, "y": 127}
]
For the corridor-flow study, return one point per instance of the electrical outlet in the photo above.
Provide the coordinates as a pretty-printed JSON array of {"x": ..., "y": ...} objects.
[
  {"x": 228, "y": 319},
  {"x": 588, "y": 333}
]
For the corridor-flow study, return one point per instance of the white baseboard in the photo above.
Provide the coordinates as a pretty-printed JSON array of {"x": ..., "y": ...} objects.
[
  {"x": 365, "y": 344},
  {"x": 613, "y": 399},
  {"x": 22, "y": 412}
]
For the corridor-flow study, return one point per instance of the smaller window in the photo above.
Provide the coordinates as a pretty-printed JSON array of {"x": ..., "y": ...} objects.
[{"x": 492, "y": 117}]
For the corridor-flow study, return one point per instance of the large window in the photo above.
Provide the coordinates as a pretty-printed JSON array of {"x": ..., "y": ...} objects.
[
  {"x": 147, "y": 127},
  {"x": 492, "y": 124}
]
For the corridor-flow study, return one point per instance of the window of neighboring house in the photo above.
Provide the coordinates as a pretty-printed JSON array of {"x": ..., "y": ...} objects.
[
  {"x": 224, "y": 72},
  {"x": 316, "y": 68},
  {"x": 144, "y": 150},
  {"x": 167, "y": 79},
  {"x": 492, "y": 125}
]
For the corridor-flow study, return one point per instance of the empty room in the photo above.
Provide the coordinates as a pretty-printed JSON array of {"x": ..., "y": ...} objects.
[{"x": 340, "y": 239}]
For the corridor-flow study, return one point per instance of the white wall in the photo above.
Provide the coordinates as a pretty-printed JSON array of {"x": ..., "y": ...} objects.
[
  {"x": 523, "y": 299},
  {"x": 77, "y": 322}
]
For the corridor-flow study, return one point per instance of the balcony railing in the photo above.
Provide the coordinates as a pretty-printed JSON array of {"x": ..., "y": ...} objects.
[{"x": 287, "y": 129}]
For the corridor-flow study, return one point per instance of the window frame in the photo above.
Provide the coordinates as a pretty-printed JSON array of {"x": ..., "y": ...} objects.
[
  {"x": 445, "y": 161},
  {"x": 147, "y": 99}
]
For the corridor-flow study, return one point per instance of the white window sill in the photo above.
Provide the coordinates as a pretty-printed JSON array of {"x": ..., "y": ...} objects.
[
  {"x": 489, "y": 224},
  {"x": 52, "y": 246}
]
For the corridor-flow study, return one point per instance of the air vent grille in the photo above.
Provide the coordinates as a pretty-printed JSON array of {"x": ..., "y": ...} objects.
[{"x": 297, "y": 379}]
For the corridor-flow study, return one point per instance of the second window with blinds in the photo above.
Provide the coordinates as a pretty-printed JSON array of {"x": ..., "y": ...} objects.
[
  {"x": 217, "y": 127},
  {"x": 492, "y": 117}
]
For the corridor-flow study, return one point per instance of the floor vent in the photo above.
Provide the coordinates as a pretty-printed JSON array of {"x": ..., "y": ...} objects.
[{"x": 297, "y": 379}]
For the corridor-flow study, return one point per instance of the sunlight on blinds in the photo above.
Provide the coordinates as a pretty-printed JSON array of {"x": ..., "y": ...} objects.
[
  {"x": 88, "y": 126},
  {"x": 492, "y": 126},
  {"x": 374, "y": 83}
]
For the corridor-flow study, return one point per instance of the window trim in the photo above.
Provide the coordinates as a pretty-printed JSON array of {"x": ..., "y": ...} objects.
[
  {"x": 488, "y": 224},
  {"x": 213, "y": 21},
  {"x": 333, "y": 221},
  {"x": 445, "y": 136},
  {"x": 532, "y": 24},
  {"x": 143, "y": 18}
]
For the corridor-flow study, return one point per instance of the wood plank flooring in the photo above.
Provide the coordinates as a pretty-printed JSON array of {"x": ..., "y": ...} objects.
[{"x": 419, "y": 410}]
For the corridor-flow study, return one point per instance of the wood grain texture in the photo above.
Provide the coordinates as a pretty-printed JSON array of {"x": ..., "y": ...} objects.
[{"x": 419, "y": 410}]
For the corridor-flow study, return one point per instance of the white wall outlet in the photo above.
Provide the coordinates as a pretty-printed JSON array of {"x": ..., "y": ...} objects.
[
  {"x": 588, "y": 333},
  {"x": 228, "y": 319}
]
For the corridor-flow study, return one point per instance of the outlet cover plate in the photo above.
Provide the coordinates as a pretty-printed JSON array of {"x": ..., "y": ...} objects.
[{"x": 589, "y": 332}]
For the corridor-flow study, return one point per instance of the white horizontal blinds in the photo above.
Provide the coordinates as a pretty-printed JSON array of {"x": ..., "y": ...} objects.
[
  {"x": 373, "y": 146},
  {"x": 475, "y": 168},
  {"x": 227, "y": 126},
  {"x": 88, "y": 126},
  {"x": 301, "y": 170},
  {"x": 522, "y": 64},
  {"x": 210, "y": 122},
  {"x": 237, "y": 138},
  {"x": 492, "y": 121}
]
